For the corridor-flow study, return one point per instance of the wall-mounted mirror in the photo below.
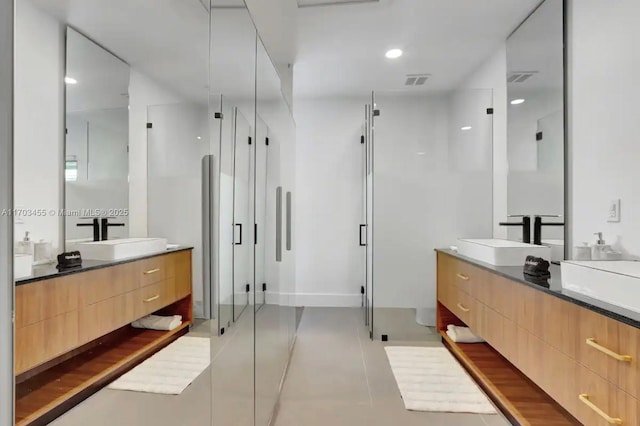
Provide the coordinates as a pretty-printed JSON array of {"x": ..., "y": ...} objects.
[
  {"x": 96, "y": 167},
  {"x": 536, "y": 128}
]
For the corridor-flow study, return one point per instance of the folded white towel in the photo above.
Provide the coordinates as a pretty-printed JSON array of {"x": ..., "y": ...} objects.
[
  {"x": 462, "y": 335},
  {"x": 156, "y": 322}
]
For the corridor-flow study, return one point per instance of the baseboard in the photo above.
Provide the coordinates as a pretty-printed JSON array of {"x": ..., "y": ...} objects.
[{"x": 327, "y": 300}]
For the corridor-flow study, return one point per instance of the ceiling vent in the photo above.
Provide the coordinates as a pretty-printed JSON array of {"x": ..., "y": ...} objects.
[
  {"x": 318, "y": 3},
  {"x": 520, "y": 76},
  {"x": 416, "y": 79}
]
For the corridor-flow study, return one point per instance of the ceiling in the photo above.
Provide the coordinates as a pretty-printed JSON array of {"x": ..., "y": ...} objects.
[
  {"x": 537, "y": 46},
  {"x": 340, "y": 49},
  {"x": 337, "y": 50}
]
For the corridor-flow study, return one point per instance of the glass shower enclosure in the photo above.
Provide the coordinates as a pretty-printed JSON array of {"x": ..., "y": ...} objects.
[{"x": 427, "y": 180}]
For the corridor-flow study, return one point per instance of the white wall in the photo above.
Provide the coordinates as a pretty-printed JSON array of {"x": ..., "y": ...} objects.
[
  {"x": 328, "y": 194},
  {"x": 143, "y": 92},
  {"x": 492, "y": 75},
  {"x": 39, "y": 121},
  {"x": 604, "y": 126}
]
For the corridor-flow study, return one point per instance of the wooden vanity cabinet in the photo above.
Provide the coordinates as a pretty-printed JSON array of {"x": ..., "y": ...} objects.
[
  {"x": 73, "y": 333},
  {"x": 585, "y": 362}
]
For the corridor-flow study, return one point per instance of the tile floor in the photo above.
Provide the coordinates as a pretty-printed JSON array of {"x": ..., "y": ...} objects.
[{"x": 337, "y": 376}]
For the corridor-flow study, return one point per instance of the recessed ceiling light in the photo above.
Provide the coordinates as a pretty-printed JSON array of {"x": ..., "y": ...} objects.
[
  {"x": 465, "y": 128},
  {"x": 199, "y": 137},
  {"x": 421, "y": 153},
  {"x": 517, "y": 101},
  {"x": 70, "y": 80},
  {"x": 393, "y": 53}
]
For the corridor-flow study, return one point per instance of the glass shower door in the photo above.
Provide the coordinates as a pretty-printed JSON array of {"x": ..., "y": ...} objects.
[{"x": 242, "y": 216}]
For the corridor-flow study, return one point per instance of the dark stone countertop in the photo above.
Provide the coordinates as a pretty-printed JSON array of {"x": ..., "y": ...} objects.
[
  {"x": 49, "y": 271},
  {"x": 553, "y": 286}
]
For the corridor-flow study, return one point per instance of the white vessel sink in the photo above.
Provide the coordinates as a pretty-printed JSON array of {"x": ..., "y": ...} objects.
[
  {"x": 557, "y": 249},
  {"x": 22, "y": 266},
  {"x": 501, "y": 252},
  {"x": 612, "y": 281},
  {"x": 120, "y": 249}
]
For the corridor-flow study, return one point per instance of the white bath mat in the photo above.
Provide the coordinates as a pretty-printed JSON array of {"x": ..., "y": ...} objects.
[
  {"x": 430, "y": 379},
  {"x": 169, "y": 371}
]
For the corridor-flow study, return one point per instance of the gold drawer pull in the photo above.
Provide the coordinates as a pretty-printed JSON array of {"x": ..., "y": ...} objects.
[
  {"x": 463, "y": 308},
  {"x": 611, "y": 420},
  {"x": 592, "y": 342},
  {"x": 463, "y": 277},
  {"x": 151, "y": 271},
  {"x": 151, "y": 299}
]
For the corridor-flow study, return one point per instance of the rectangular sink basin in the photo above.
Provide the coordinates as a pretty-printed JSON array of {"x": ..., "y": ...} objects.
[
  {"x": 557, "y": 249},
  {"x": 120, "y": 249},
  {"x": 22, "y": 266},
  {"x": 501, "y": 252},
  {"x": 613, "y": 281}
]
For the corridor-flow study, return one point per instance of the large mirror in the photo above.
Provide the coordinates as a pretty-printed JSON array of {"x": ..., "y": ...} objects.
[
  {"x": 536, "y": 128},
  {"x": 96, "y": 168}
]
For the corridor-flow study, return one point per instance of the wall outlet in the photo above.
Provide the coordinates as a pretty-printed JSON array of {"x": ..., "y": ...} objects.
[{"x": 614, "y": 211}]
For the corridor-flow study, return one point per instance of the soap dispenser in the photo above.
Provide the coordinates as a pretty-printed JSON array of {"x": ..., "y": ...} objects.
[
  {"x": 25, "y": 246},
  {"x": 599, "y": 248}
]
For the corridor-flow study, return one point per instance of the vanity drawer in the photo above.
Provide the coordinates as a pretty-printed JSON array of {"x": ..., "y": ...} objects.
[
  {"x": 499, "y": 295},
  {"x": 43, "y": 341},
  {"x": 467, "y": 276},
  {"x": 108, "y": 315},
  {"x": 559, "y": 324},
  {"x": 528, "y": 305},
  {"x": 610, "y": 349},
  {"x": 463, "y": 306},
  {"x": 600, "y": 402},
  {"x": 105, "y": 283},
  {"x": 156, "y": 296},
  {"x": 151, "y": 270},
  {"x": 559, "y": 377},
  {"x": 41, "y": 300}
]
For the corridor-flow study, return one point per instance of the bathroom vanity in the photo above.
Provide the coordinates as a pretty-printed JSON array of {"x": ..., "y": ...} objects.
[
  {"x": 72, "y": 328},
  {"x": 551, "y": 357}
]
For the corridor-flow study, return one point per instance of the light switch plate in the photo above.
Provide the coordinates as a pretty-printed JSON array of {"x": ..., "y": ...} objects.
[{"x": 614, "y": 211}]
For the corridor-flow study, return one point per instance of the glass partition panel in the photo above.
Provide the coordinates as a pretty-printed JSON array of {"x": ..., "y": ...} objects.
[
  {"x": 232, "y": 63},
  {"x": 431, "y": 158}
]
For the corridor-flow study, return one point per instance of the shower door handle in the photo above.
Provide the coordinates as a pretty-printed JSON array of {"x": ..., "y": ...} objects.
[
  {"x": 362, "y": 244},
  {"x": 238, "y": 225}
]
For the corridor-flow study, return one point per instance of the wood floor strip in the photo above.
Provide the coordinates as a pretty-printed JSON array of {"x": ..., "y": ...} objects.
[{"x": 522, "y": 402}]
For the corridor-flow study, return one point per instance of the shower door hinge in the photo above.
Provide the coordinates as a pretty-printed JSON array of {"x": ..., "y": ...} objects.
[
  {"x": 362, "y": 139},
  {"x": 218, "y": 115},
  {"x": 264, "y": 286},
  {"x": 149, "y": 125},
  {"x": 255, "y": 234},
  {"x": 266, "y": 141},
  {"x": 248, "y": 288},
  {"x": 249, "y": 140},
  {"x": 361, "y": 289},
  {"x": 376, "y": 112},
  {"x": 539, "y": 136},
  {"x": 489, "y": 111}
]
